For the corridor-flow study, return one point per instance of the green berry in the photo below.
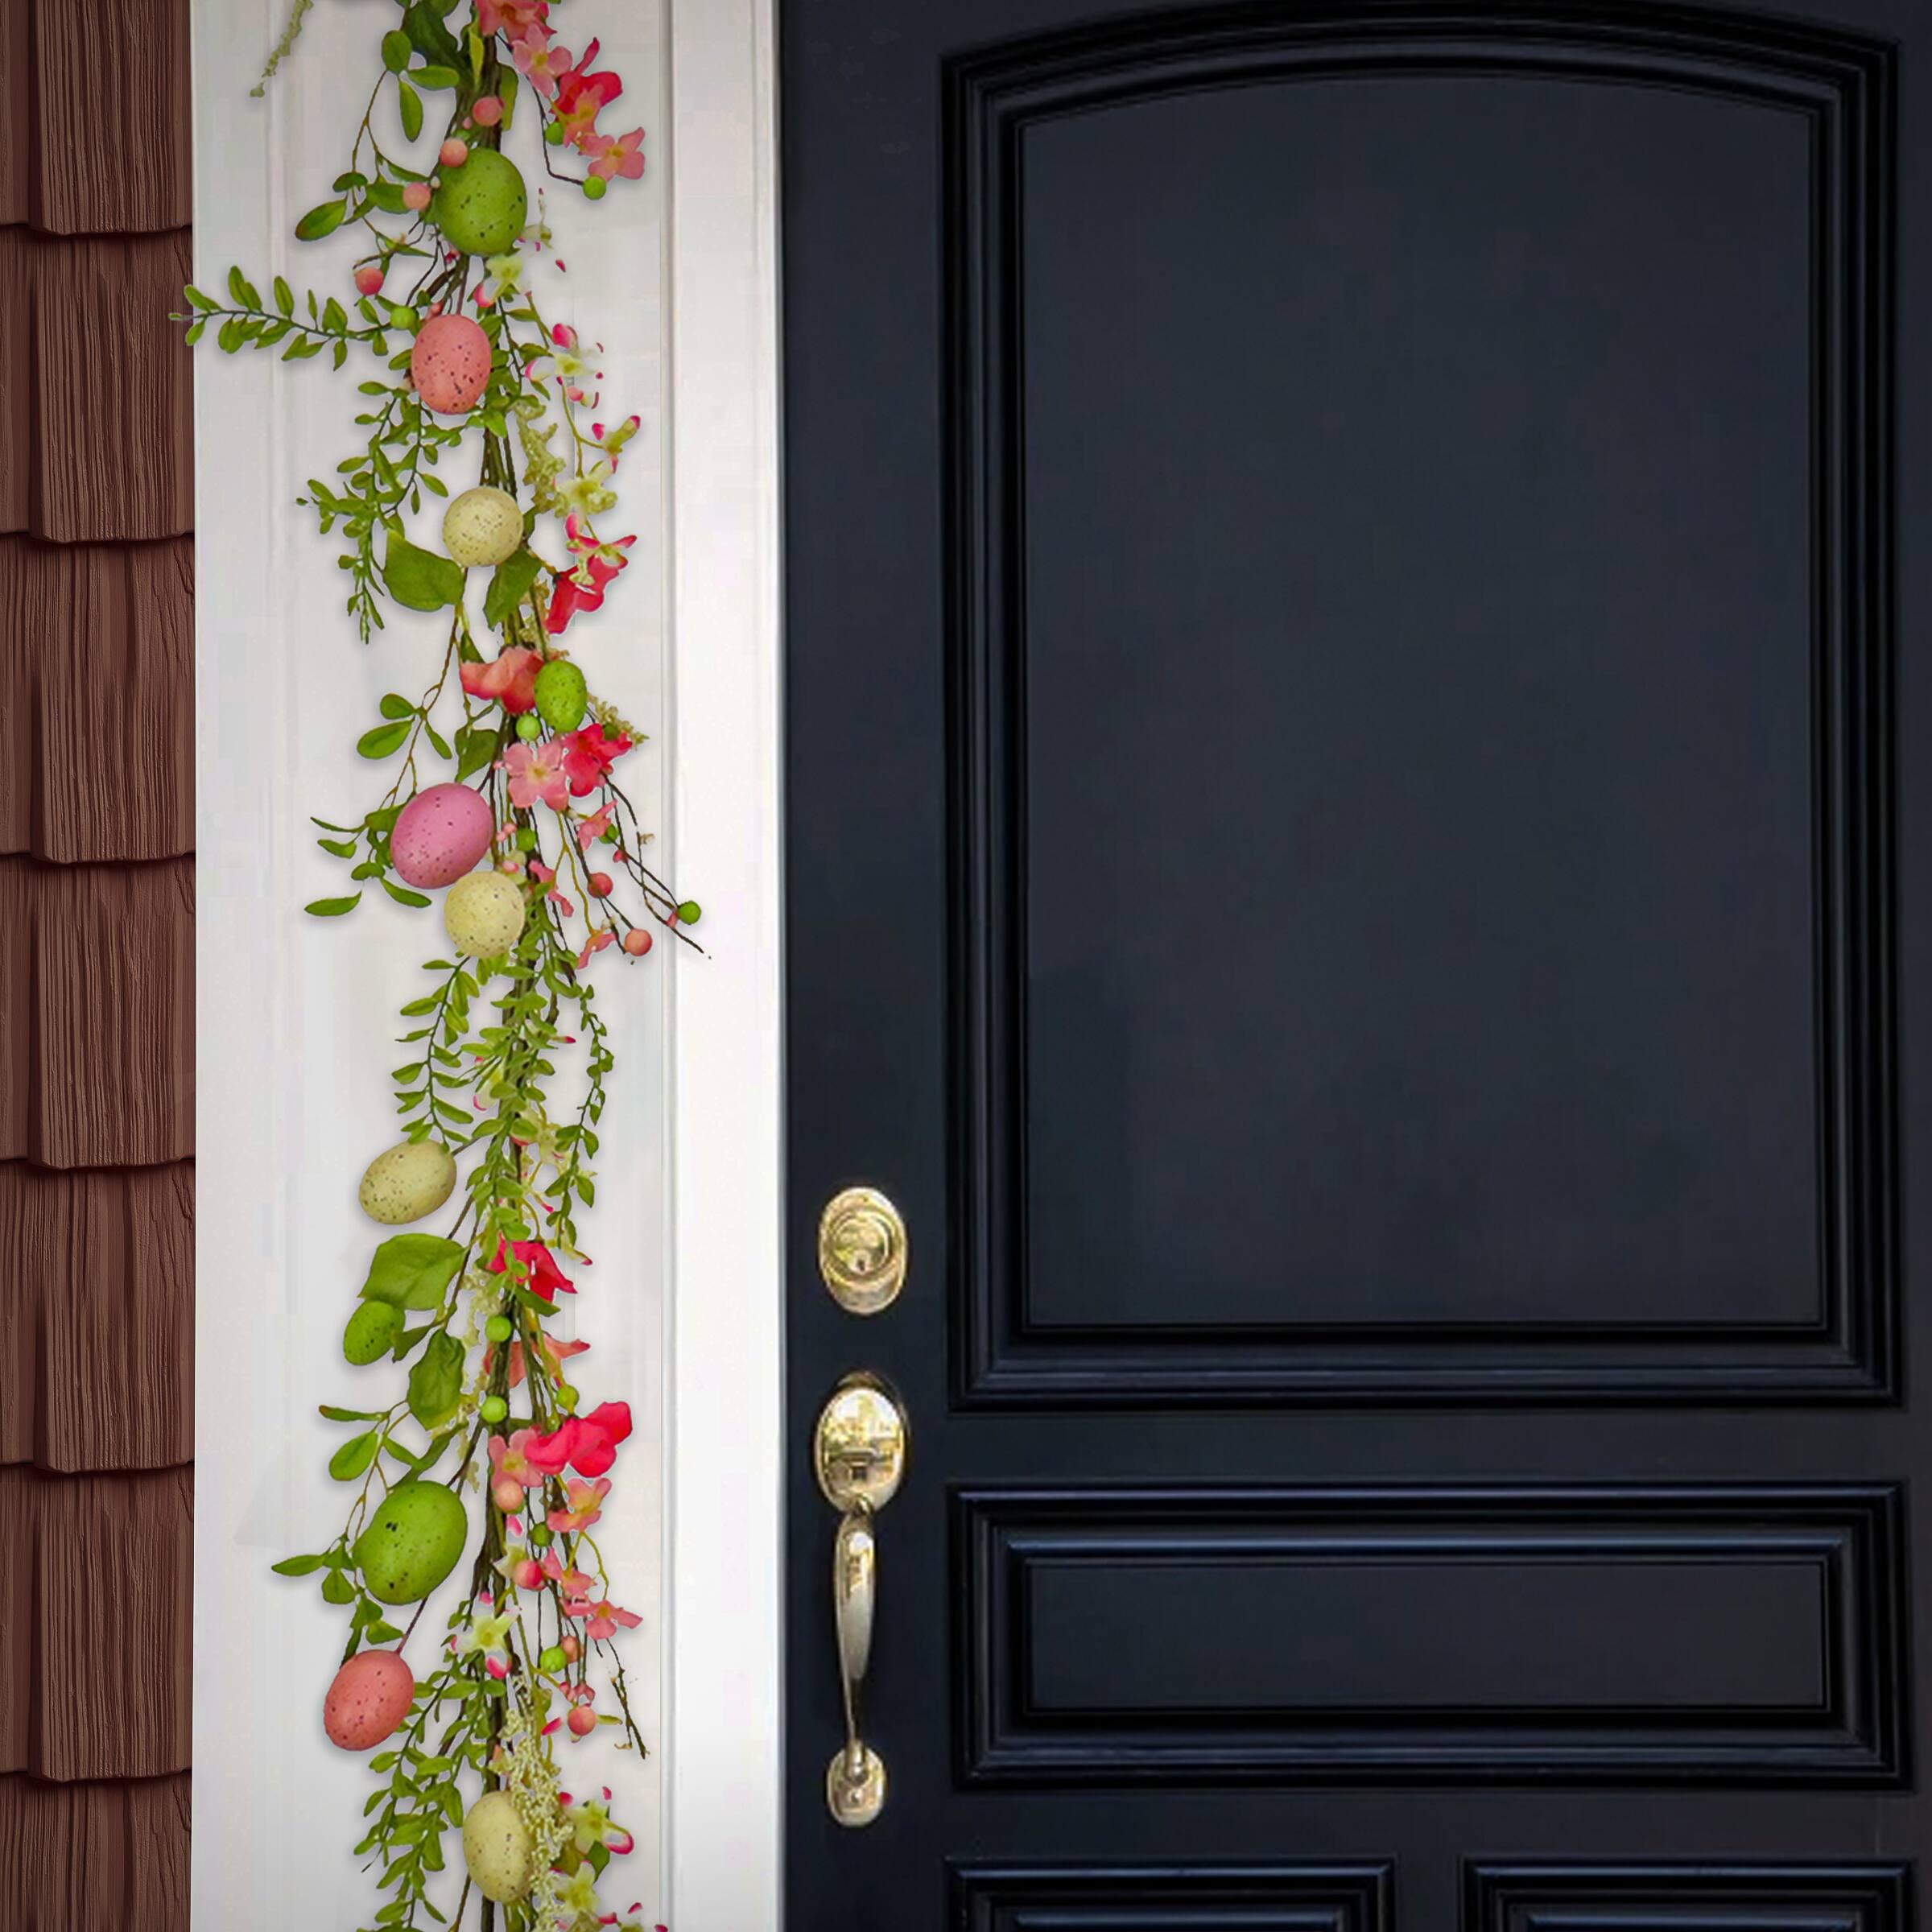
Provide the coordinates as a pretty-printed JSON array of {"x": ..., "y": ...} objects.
[
  {"x": 552, "y": 1661},
  {"x": 527, "y": 840},
  {"x": 567, "y": 1398},
  {"x": 690, "y": 913},
  {"x": 554, "y": 134},
  {"x": 494, "y": 1408},
  {"x": 595, "y": 188},
  {"x": 499, "y": 1328},
  {"x": 530, "y": 726},
  {"x": 539, "y": 1535}
]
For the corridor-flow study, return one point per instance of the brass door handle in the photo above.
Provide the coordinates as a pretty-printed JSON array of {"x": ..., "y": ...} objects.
[{"x": 859, "y": 1449}]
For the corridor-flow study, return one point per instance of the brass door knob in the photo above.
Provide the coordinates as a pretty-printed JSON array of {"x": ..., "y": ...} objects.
[{"x": 859, "y": 1450}]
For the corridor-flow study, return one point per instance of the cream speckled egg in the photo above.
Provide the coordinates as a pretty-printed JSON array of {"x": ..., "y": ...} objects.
[
  {"x": 482, "y": 527},
  {"x": 496, "y": 1847},
  {"x": 368, "y": 1699},
  {"x": 449, "y": 364},
  {"x": 406, "y": 1181},
  {"x": 442, "y": 831},
  {"x": 483, "y": 914}
]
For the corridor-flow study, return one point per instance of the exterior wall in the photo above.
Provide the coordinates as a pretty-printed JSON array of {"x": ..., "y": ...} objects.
[{"x": 97, "y": 966}]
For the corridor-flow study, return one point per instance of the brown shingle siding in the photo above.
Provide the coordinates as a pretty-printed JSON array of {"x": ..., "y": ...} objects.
[
  {"x": 96, "y": 960},
  {"x": 94, "y": 132},
  {"x": 96, "y": 392},
  {"x": 98, "y": 660},
  {"x": 96, "y": 1317},
  {"x": 97, "y": 1012}
]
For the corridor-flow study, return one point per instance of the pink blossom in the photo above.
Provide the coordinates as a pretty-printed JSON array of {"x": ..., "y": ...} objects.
[
  {"x": 536, "y": 772},
  {"x": 558, "y": 1352},
  {"x": 509, "y": 678},
  {"x": 573, "y": 1582},
  {"x": 542, "y": 60},
  {"x": 581, "y": 95},
  {"x": 587, "y": 1443},
  {"x": 588, "y": 758},
  {"x": 597, "y": 824},
  {"x": 511, "y": 1458},
  {"x": 584, "y": 1506},
  {"x": 543, "y": 1277},
  {"x": 512, "y": 17},
  {"x": 617, "y": 154},
  {"x": 579, "y": 590},
  {"x": 604, "y": 1618}
]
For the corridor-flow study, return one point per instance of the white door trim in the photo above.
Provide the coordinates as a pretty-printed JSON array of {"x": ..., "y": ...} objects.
[{"x": 724, "y": 1645}]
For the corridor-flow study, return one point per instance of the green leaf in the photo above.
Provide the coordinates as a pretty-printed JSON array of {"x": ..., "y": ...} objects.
[
  {"x": 381, "y": 739},
  {"x": 475, "y": 748},
  {"x": 333, "y": 909},
  {"x": 412, "y": 1270},
  {"x": 382, "y": 1632},
  {"x": 436, "y": 1383},
  {"x": 423, "y": 24},
  {"x": 393, "y": 706},
  {"x": 336, "y": 1588},
  {"x": 332, "y": 1414},
  {"x": 509, "y": 587},
  {"x": 234, "y": 332},
  {"x": 354, "y": 1456},
  {"x": 243, "y": 290},
  {"x": 395, "y": 50},
  {"x": 387, "y": 195},
  {"x": 411, "y": 102},
  {"x": 296, "y": 1566},
  {"x": 334, "y": 316},
  {"x": 323, "y": 219},
  {"x": 419, "y": 579},
  {"x": 436, "y": 78},
  {"x": 402, "y": 895},
  {"x": 285, "y": 297},
  {"x": 200, "y": 300},
  {"x": 343, "y": 849}
]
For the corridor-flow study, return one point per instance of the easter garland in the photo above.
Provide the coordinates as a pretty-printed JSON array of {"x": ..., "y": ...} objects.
[{"x": 503, "y": 795}]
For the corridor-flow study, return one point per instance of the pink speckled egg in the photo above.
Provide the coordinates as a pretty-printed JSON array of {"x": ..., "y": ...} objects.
[
  {"x": 450, "y": 364},
  {"x": 441, "y": 834},
  {"x": 368, "y": 1701}
]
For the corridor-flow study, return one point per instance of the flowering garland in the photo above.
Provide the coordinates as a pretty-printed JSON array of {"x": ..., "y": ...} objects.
[{"x": 503, "y": 795}]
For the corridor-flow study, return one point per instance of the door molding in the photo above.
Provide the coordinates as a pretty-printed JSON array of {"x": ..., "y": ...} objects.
[{"x": 723, "y": 1647}]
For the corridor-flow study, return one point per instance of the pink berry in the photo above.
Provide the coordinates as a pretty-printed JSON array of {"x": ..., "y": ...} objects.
[
  {"x": 369, "y": 278},
  {"x": 528, "y": 1574},
  {"x": 509, "y": 1494},
  {"x": 637, "y": 942},
  {"x": 582, "y": 1722},
  {"x": 416, "y": 195},
  {"x": 489, "y": 111},
  {"x": 453, "y": 153},
  {"x": 599, "y": 885},
  {"x": 571, "y": 1647}
]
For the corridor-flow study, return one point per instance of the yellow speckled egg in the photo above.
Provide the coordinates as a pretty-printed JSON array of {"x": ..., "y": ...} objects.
[
  {"x": 482, "y": 527},
  {"x": 406, "y": 1181},
  {"x": 496, "y": 1847},
  {"x": 483, "y": 913}
]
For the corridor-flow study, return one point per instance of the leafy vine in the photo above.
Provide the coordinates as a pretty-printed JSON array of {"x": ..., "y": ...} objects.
[{"x": 503, "y": 797}]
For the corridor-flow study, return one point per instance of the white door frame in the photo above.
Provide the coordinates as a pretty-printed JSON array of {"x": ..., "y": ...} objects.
[{"x": 724, "y": 1646}]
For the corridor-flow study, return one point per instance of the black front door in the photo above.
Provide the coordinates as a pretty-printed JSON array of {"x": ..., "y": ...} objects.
[{"x": 1359, "y": 753}]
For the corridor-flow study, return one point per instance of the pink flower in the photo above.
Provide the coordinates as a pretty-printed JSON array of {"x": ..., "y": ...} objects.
[
  {"x": 588, "y": 758},
  {"x": 544, "y": 1277},
  {"x": 584, "y": 1505},
  {"x": 570, "y": 595},
  {"x": 581, "y": 95},
  {"x": 587, "y": 1443},
  {"x": 614, "y": 155},
  {"x": 512, "y": 17},
  {"x": 571, "y": 1581},
  {"x": 597, "y": 824},
  {"x": 511, "y": 1458},
  {"x": 604, "y": 1618},
  {"x": 509, "y": 678},
  {"x": 558, "y": 1352},
  {"x": 602, "y": 937},
  {"x": 542, "y": 60},
  {"x": 536, "y": 772}
]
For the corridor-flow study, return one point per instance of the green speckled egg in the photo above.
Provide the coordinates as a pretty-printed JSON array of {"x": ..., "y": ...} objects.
[
  {"x": 406, "y": 1181},
  {"x": 483, "y": 913},
  {"x": 414, "y": 1536},
  {"x": 562, "y": 697},
  {"x": 482, "y": 205},
  {"x": 371, "y": 1329},
  {"x": 496, "y": 1847}
]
